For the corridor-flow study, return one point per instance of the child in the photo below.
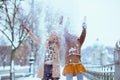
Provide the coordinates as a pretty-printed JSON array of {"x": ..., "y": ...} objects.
[{"x": 73, "y": 65}]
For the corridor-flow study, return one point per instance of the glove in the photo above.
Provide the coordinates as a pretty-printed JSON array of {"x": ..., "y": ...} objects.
[
  {"x": 23, "y": 27},
  {"x": 84, "y": 23},
  {"x": 61, "y": 20}
]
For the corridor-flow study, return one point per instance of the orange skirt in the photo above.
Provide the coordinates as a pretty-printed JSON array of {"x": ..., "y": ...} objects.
[{"x": 73, "y": 69}]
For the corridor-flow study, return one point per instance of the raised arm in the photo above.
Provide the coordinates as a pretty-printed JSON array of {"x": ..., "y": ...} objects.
[
  {"x": 61, "y": 20},
  {"x": 83, "y": 34},
  {"x": 32, "y": 36},
  {"x": 66, "y": 32}
]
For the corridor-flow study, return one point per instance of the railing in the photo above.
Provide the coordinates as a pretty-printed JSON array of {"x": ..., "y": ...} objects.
[
  {"x": 102, "y": 72},
  {"x": 19, "y": 72}
]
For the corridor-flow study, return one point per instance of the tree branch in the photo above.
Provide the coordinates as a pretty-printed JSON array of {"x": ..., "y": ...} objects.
[{"x": 8, "y": 38}]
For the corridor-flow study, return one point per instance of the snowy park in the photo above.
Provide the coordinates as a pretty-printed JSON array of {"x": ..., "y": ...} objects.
[{"x": 59, "y": 39}]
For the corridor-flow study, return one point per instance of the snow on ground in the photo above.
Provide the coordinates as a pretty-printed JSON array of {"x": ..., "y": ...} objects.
[{"x": 62, "y": 78}]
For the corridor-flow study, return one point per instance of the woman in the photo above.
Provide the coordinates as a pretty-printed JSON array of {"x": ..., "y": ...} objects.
[
  {"x": 50, "y": 69},
  {"x": 50, "y": 64}
]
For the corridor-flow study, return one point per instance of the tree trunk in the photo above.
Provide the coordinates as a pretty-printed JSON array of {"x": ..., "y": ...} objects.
[{"x": 12, "y": 70}]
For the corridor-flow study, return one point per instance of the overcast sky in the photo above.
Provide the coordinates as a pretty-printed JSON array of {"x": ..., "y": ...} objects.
[{"x": 103, "y": 18}]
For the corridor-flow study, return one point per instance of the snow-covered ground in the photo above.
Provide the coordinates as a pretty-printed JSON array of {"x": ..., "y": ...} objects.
[
  {"x": 62, "y": 78},
  {"x": 5, "y": 71}
]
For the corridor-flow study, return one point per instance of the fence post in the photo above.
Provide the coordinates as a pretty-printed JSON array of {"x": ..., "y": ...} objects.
[{"x": 117, "y": 60}]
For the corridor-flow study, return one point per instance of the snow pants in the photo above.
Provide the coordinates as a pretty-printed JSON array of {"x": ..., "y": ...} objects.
[{"x": 48, "y": 73}]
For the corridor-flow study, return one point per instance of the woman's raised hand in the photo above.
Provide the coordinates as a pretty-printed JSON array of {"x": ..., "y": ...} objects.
[{"x": 24, "y": 27}]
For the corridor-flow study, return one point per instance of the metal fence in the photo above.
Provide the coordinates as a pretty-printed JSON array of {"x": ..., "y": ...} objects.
[{"x": 102, "y": 72}]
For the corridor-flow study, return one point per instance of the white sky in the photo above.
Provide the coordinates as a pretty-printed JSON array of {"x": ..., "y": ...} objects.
[{"x": 103, "y": 18}]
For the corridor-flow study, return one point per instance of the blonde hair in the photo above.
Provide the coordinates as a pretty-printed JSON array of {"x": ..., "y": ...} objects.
[{"x": 53, "y": 39}]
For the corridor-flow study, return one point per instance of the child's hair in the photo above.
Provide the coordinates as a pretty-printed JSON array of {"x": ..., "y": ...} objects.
[
  {"x": 53, "y": 39},
  {"x": 70, "y": 37}
]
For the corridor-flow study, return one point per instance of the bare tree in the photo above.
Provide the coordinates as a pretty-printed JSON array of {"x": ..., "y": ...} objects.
[{"x": 11, "y": 18}]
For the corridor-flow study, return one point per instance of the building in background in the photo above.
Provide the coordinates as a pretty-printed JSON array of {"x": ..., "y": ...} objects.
[
  {"x": 21, "y": 55},
  {"x": 98, "y": 54}
]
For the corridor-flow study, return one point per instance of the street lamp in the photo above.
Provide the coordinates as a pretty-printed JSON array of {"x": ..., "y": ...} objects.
[
  {"x": 31, "y": 62},
  {"x": 32, "y": 57}
]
